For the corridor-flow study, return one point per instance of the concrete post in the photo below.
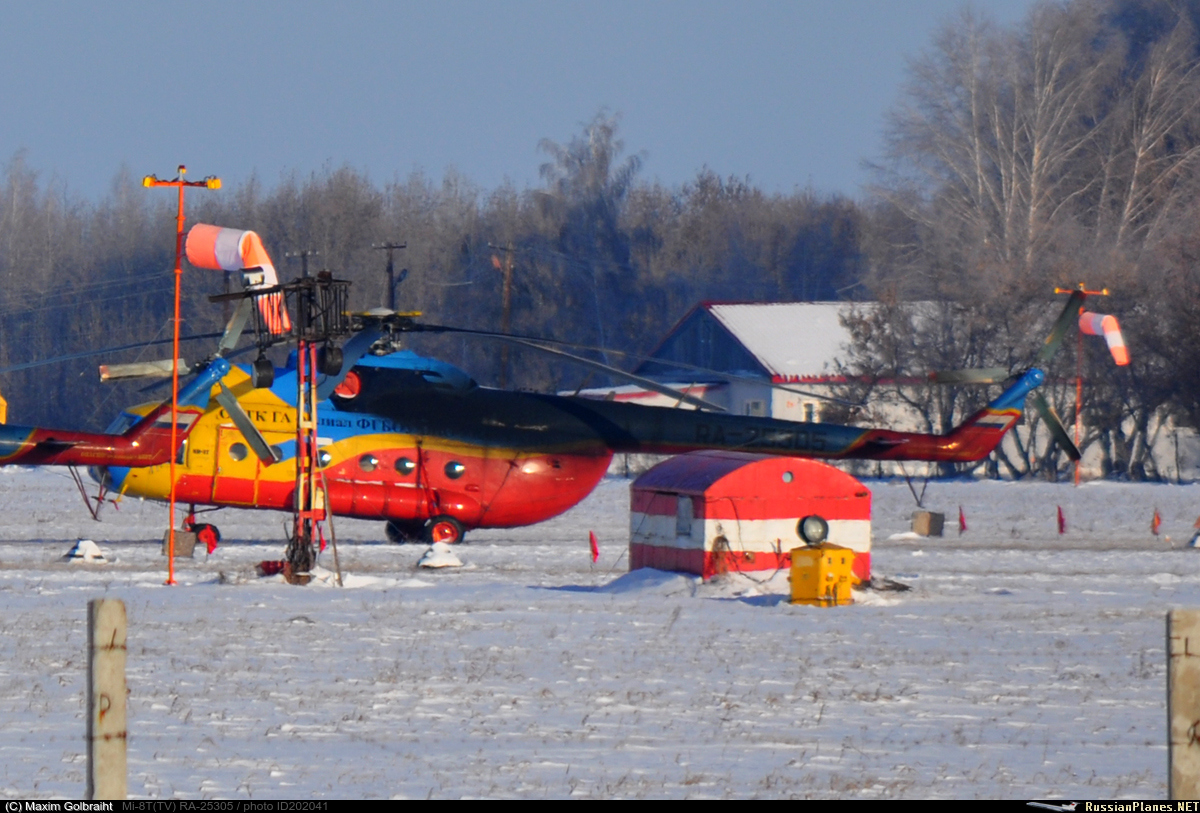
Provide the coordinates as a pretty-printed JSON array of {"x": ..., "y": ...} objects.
[
  {"x": 106, "y": 733},
  {"x": 1183, "y": 704}
]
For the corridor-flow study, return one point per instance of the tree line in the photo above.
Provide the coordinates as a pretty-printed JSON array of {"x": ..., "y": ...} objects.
[
  {"x": 1057, "y": 151},
  {"x": 597, "y": 258}
]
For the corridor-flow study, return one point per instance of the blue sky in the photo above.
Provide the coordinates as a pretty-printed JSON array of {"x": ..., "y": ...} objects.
[{"x": 790, "y": 94}]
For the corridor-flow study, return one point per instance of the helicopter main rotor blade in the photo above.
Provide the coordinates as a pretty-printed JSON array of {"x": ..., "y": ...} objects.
[
  {"x": 29, "y": 365},
  {"x": 488, "y": 334},
  {"x": 242, "y": 421},
  {"x": 1066, "y": 321},
  {"x": 586, "y": 362},
  {"x": 352, "y": 351},
  {"x": 162, "y": 368},
  {"x": 982, "y": 375},
  {"x": 1057, "y": 430},
  {"x": 618, "y": 373},
  {"x": 233, "y": 330}
]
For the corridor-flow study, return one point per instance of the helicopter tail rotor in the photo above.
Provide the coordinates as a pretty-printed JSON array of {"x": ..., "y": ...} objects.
[{"x": 995, "y": 375}]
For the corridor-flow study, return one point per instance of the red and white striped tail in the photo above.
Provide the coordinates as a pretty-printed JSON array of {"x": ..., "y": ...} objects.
[
  {"x": 224, "y": 249},
  {"x": 1103, "y": 324}
]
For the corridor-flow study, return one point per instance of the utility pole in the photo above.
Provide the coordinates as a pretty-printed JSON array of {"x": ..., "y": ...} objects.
[
  {"x": 506, "y": 268},
  {"x": 391, "y": 271},
  {"x": 303, "y": 255}
]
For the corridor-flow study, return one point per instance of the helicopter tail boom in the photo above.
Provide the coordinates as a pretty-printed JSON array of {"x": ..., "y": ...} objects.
[
  {"x": 635, "y": 428},
  {"x": 146, "y": 443}
]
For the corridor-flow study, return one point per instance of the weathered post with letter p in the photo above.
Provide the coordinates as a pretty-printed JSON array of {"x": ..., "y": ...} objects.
[{"x": 106, "y": 732}]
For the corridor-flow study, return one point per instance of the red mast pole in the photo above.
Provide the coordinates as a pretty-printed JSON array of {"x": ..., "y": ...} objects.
[
  {"x": 1079, "y": 364},
  {"x": 150, "y": 181}
]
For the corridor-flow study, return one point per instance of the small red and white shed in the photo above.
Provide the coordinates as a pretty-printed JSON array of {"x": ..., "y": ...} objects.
[{"x": 716, "y": 512}]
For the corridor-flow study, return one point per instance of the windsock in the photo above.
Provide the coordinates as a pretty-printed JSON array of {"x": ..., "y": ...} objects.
[
  {"x": 1099, "y": 324},
  {"x": 236, "y": 250}
]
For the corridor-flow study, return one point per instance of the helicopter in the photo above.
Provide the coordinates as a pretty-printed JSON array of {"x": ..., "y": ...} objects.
[{"x": 417, "y": 443}]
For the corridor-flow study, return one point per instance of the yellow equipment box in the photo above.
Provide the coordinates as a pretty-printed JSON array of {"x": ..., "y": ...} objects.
[{"x": 821, "y": 575}]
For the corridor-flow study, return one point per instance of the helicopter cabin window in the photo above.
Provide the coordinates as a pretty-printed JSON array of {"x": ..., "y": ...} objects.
[
  {"x": 405, "y": 466},
  {"x": 454, "y": 469},
  {"x": 238, "y": 451},
  {"x": 368, "y": 462}
]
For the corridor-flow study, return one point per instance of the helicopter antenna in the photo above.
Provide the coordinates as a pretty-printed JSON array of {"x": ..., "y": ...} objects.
[
  {"x": 392, "y": 282},
  {"x": 505, "y": 267}
]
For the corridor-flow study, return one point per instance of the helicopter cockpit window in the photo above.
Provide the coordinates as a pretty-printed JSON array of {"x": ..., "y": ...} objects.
[
  {"x": 454, "y": 469},
  {"x": 368, "y": 462},
  {"x": 405, "y": 466},
  {"x": 350, "y": 387},
  {"x": 238, "y": 451}
]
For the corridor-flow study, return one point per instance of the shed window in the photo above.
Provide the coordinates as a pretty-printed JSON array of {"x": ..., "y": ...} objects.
[{"x": 683, "y": 516}]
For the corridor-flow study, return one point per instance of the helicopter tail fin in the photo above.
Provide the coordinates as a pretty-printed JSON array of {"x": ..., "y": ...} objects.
[
  {"x": 193, "y": 399},
  {"x": 982, "y": 432}
]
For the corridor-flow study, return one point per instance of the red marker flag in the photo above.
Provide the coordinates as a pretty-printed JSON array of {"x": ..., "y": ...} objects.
[
  {"x": 1062, "y": 521},
  {"x": 1155, "y": 522},
  {"x": 595, "y": 546},
  {"x": 962, "y": 521}
]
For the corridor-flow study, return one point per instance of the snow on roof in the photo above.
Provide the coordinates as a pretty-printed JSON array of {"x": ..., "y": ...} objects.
[{"x": 791, "y": 339}]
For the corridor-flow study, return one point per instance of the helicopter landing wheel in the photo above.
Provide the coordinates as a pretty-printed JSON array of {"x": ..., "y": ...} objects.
[
  {"x": 444, "y": 529},
  {"x": 208, "y": 535},
  {"x": 400, "y": 532}
]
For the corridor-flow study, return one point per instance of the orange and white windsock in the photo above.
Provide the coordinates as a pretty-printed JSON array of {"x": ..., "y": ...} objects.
[
  {"x": 1101, "y": 324},
  {"x": 236, "y": 250}
]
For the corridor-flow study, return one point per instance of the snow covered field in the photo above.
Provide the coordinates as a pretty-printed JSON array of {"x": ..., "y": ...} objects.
[{"x": 1021, "y": 665}]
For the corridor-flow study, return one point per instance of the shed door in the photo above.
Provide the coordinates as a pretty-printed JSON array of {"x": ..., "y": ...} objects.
[{"x": 683, "y": 515}]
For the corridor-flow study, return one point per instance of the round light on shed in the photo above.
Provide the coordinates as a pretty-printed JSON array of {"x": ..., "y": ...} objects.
[{"x": 813, "y": 529}]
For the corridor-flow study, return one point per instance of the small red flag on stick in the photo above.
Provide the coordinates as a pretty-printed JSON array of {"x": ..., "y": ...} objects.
[
  {"x": 1155, "y": 522},
  {"x": 595, "y": 546},
  {"x": 962, "y": 521},
  {"x": 1062, "y": 521}
]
